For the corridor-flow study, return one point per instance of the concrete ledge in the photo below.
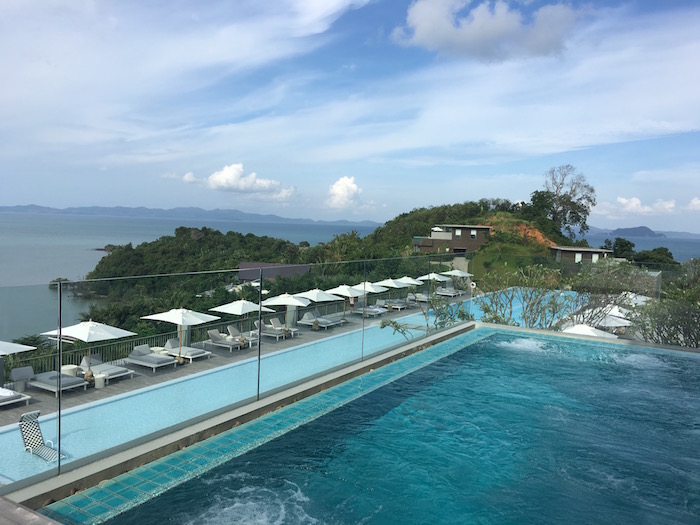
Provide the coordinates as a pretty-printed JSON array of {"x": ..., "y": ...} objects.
[
  {"x": 55, "y": 488},
  {"x": 12, "y": 513}
]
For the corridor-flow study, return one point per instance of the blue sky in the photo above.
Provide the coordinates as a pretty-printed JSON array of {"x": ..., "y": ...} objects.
[{"x": 351, "y": 109}]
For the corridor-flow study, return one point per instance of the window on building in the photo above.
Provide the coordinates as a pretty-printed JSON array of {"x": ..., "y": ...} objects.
[
  {"x": 578, "y": 257},
  {"x": 473, "y": 234},
  {"x": 458, "y": 233},
  {"x": 594, "y": 257}
]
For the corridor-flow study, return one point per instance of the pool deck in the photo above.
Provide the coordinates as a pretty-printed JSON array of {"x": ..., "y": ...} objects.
[
  {"x": 47, "y": 403},
  {"x": 39, "y": 492}
]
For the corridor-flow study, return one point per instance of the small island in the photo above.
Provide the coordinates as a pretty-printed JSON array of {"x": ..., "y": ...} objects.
[{"x": 639, "y": 231}]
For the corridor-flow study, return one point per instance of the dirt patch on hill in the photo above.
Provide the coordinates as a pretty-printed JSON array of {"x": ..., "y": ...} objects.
[{"x": 528, "y": 233}]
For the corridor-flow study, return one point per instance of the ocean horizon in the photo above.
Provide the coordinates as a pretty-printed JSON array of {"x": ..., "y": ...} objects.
[{"x": 37, "y": 248}]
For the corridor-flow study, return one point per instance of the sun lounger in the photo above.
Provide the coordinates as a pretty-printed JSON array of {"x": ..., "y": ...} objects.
[
  {"x": 216, "y": 338},
  {"x": 268, "y": 331},
  {"x": 421, "y": 297},
  {"x": 110, "y": 371},
  {"x": 234, "y": 333},
  {"x": 47, "y": 380},
  {"x": 277, "y": 325},
  {"x": 398, "y": 304},
  {"x": 314, "y": 321},
  {"x": 142, "y": 355},
  {"x": 10, "y": 397},
  {"x": 187, "y": 352},
  {"x": 371, "y": 311},
  {"x": 33, "y": 438},
  {"x": 447, "y": 292}
]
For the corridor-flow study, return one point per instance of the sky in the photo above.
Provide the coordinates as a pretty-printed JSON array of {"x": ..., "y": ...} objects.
[{"x": 351, "y": 109}]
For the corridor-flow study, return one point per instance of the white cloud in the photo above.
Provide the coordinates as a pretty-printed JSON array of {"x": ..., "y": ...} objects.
[
  {"x": 490, "y": 31},
  {"x": 343, "y": 193},
  {"x": 633, "y": 206},
  {"x": 233, "y": 178},
  {"x": 694, "y": 204}
]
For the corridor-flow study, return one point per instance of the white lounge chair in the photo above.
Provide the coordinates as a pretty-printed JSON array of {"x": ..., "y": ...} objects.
[
  {"x": 234, "y": 333},
  {"x": 10, "y": 397},
  {"x": 109, "y": 370},
  {"x": 216, "y": 338},
  {"x": 47, "y": 380},
  {"x": 277, "y": 325},
  {"x": 186, "y": 352},
  {"x": 312, "y": 320},
  {"x": 268, "y": 331},
  {"x": 142, "y": 355},
  {"x": 371, "y": 311}
]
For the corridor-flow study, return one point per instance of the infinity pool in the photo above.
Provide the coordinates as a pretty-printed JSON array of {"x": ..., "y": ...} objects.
[{"x": 506, "y": 428}]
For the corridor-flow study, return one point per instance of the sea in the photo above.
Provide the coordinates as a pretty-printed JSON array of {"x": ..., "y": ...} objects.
[
  {"x": 683, "y": 249},
  {"x": 36, "y": 248}
]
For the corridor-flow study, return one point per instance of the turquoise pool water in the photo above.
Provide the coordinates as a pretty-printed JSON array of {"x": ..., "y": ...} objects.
[
  {"x": 503, "y": 428},
  {"x": 94, "y": 428}
]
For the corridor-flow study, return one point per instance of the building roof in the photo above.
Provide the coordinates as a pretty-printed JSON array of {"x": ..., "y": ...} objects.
[
  {"x": 466, "y": 226},
  {"x": 580, "y": 249}
]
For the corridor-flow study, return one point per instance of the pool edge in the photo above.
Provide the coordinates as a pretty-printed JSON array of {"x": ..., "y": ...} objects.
[{"x": 55, "y": 488}]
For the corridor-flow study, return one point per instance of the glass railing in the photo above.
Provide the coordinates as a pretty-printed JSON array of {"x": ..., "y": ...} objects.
[{"x": 115, "y": 393}]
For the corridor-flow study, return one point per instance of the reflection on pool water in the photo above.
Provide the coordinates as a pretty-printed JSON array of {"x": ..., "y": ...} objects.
[{"x": 508, "y": 429}]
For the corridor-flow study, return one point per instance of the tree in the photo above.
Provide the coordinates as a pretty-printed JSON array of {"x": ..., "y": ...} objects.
[
  {"x": 572, "y": 198},
  {"x": 528, "y": 297},
  {"x": 620, "y": 247},
  {"x": 674, "y": 319},
  {"x": 657, "y": 259}
]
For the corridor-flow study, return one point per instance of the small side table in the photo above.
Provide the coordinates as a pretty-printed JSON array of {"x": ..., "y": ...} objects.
[
  {"x": 71, "y": 370},
  {"x": 100, "y": 380}
]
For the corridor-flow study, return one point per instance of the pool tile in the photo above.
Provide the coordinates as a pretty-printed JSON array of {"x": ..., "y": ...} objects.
[{"x": 101, "y": 503}]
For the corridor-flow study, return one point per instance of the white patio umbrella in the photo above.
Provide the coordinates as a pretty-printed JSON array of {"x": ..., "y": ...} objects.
[
  {"x": 612, "y": 321},
  {"x": 286, "y": 299},
  {"x": 240, "y": 307},
  {"x": 634, "y": 299},
  {"x": 584, "y": 329},
  {"x": 291, "y": 302},
  {"x": 409, "y": 280},
  {"x": 7, "y": 348},
  {"x": 392, "y": 283},
  {"x": 345, "y": 291},
  {"x": 89, "y": 332},
  {"x": 457, "y": 273},
  {"x": 182, "y": 317},
  {"x": 319, "y": 296},
  {"x": 368, "y": 287},
  {"x": 434, "y": 277},
  {"x": 603, "y": 316}
]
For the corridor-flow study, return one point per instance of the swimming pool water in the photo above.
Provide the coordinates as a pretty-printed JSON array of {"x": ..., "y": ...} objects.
[
  {"x": 511, "y": 429},
  {"x": 94, "y": 428}
]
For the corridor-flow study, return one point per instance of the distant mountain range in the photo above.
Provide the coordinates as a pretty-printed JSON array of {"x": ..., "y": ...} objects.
[
  {"x": 641, "y": 231},
  {"x": 176, "y": 213}
]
